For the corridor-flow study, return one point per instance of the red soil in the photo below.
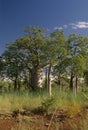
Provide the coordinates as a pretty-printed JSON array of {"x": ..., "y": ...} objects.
[{"x": 59, "y": 121}]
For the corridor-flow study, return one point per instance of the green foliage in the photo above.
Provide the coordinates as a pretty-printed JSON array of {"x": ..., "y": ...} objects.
[
  {"x": 36, "y": 50},
  {"x": 77, "y": 48},
  {"x": 41, "y": 102},
  {"x": 48, "y": 104}
]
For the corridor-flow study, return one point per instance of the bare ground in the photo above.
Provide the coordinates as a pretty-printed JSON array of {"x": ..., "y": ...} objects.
[{"x": 57, "y": 120}]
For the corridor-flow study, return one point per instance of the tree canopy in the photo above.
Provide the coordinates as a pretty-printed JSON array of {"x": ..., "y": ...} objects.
[{"x": 64, "y": 58}]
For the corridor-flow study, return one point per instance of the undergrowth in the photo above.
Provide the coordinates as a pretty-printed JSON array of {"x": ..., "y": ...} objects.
[
  {"x": 31, "y": 101},
  {"x": 42, "y": 103}
]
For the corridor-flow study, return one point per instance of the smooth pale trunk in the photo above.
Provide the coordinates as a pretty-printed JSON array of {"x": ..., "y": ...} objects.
[{"x": 49, "y": 81}]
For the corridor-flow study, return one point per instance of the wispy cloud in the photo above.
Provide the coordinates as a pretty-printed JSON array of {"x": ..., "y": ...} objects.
[
  {"x": 76, "y": 25},
  {"x": 61, "y": 27},
  {"x": 65, "y": 26},
  {"x": 79, "y": 25},
  {"x": 55, "y": 28}
]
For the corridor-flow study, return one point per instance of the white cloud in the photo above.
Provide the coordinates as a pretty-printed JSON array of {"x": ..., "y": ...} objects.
[
  {"x": 61, "y": 27},
  {"x": 79, "y": 25},
  {"x": 76, "y": 25},
  {"x": 55, "y": 28},
  {"x": 65, "y": 26}
]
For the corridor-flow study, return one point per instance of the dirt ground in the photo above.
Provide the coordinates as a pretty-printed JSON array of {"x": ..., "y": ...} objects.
[{"x": 58, "y": 120}]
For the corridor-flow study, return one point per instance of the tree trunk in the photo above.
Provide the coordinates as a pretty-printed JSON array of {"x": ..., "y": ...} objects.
[
  {"x": 59, "y": 81},
  {"x": 28, "y": 80},
  {"x": 19, "y": 85},
  {"x": 76, "y": 85},
  {"x": 34, "y": 79},
  {"x": 46, "y": 77},
  {"x": 15, "y": 84},
  {"x": 49, "y": 80},
  {"x": 72, "y": 82}
]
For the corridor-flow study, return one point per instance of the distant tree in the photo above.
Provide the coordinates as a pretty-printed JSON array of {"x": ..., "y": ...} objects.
[
  {"x": 86, "y": 71},
  {"x": 86, "y": 77},
  {"x": 1, "y": 65},
  {"x": 77, "y": 48},
  {"x": 60, "y": 73},
  {"x": 56, "y": 44},
  {"x": 12, "y": 65}
]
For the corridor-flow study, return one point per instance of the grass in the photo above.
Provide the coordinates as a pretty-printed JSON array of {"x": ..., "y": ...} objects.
[
  {"x": 31, "y": 101},
  {"x": 14, "y": 101},
  {"x": 65, "y": 100}
]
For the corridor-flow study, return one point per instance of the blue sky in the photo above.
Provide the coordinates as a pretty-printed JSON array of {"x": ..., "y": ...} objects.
[{"x": 69, "y": 15}]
